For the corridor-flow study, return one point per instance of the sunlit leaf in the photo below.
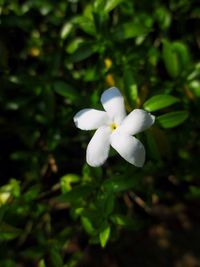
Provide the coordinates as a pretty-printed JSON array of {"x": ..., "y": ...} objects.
[
  {"x": 66, "y": 30},
  {"x": 42, "y": 263},
  {"x": 67, "y": 180},
  {"x": 111, "y": 4},
  {"x": 74, "y": 45},
  {"x": 104, "y": 234},
  {"x": 159, "y": 101},
  {"x": 86, "y": 24}
]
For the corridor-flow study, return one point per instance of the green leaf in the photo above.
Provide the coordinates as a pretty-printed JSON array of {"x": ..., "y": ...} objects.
[
  {"x": 176, "y": 57},
  {"x": 130, "y": 86},
  {"x": 194, "y": 86},
  {"x": 55, "y": 257},
  {"x": 67, "y": 180},
  {"x": 2, "y": 2},
  {"x": 83, "y": 52},
  {"x": 66, "y": 90},
  {"x": 77, "y": 193},
  {"x": 74, "y": 45},
  {"x": 90, "y": 173},
  {"x": 66, "y": 30},
  {"x": 111, "y": 4},
  {"x": 86, "y": 24},
  {"x": 109, "y": 203},
  {"x": 104, "y": 203},
  {"x": 194, "y": 192},
  {"x": 8, "y": 232},
  {"x": 159, "y": 101},
  {"x": 8, "y": 190},
  {"x": 130, "y": 30},
  {"x": 33, "y": 253},
  {"x": 104, "y": 234},
  {"x": 87, "y": 224},
  {"x": 172, "y": 119},
  {"x": 49, "y": 110},
  {"x": 153, "y": 147},
  {"x": 99, "y": 5},
  {"x": 126, "y": 222},
  {"x": 41, "y": 263},
  {"x": 119, "y": 219},
  {"x": 182, "y": 53},
  {"x": 163, "y": 17},
  {"x": 170, "y": 59},
  {"x": 15, "y": 185},
  {"x": 120, "y": 183}
]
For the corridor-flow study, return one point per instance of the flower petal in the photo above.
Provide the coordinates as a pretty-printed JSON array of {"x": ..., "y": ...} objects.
[
  {"x": 98, "y": 147},
  {"x": 137, "y": 121},
  {"x": 90, "y": 119},
  {"x": 130, "y": 148},
  {"x": 113, "y": 103}
]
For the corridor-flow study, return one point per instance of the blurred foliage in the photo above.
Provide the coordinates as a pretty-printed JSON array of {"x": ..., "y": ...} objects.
[{"x": 57, "y": 57}]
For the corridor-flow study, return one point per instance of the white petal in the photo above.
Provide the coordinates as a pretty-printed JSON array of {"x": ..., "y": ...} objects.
[
  {"x": 90, "y": 119},
  {"x": 113, "y": 103},
  {"x": 130, "y": 148},
  {"x": 98, "y": 147},
  {"x": 137, "y": 121}
]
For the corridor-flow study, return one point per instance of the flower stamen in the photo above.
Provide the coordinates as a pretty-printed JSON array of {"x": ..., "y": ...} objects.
[{"x": 113, "y": 126}]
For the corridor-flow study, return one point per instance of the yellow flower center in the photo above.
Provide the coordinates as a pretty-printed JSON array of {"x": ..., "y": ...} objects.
[{"x": 113, "y": 126}]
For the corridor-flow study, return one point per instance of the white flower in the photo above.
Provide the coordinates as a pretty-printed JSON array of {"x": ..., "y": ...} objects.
[{"x": 114, "y": 128}]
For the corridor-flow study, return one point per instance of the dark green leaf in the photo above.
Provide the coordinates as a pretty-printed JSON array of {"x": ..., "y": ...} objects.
[
  {"x": 55, "y": 257},
  {"x": 153, "y": 147},
  {"x": 77, "y": 193},
  {"x": 109, "y": 203},
  {"x": 172, "y": 119},
  {"x": 83, "y": 52},
  {"x": 130, "y": 30},
  {"x": 194, "y": 192},
  {"x": 120, "y": 183},
  {"x": 66, "y": 90},
  {"x": 8, "y": 232},
  {"x": 126, "y": 222}
]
